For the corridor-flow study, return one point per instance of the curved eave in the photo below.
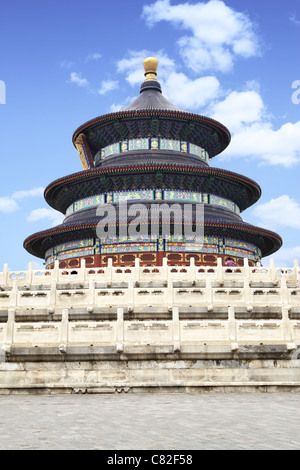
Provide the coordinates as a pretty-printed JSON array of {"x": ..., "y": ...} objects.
[
  {"x": 62, "y": 184},
  {"x": 35, "y": 244},
  {"x": 121, "y": 117}
]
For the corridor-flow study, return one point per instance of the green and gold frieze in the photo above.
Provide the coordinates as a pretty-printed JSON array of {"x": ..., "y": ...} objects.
[
  {"x": 152, "y": 195},
  {"x": 150, "y": 244},
  {"x": 154, "y": 143}
]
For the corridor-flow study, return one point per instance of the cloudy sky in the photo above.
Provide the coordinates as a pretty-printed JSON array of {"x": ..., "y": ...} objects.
[{"x": 63, "y": 63}]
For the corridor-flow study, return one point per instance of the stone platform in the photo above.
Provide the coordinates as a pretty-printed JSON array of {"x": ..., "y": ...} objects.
[{"x": 149, "y": 328}]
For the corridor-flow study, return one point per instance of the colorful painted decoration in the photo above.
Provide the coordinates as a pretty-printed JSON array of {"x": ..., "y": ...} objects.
[
  {"x": 151, "y": 195},
  {"x": 154, "y": 143},
  {"x": 147, "y": 244}
]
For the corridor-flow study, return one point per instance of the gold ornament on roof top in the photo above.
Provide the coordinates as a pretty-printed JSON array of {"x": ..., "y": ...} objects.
[{"x": 150, "y": 66}]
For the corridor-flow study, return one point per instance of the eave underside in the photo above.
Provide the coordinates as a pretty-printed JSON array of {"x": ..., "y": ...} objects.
[
  {"x": 267, "y": 241},
  {"x": 64, "y": 192},
  {"x": 111, "y": 128}
]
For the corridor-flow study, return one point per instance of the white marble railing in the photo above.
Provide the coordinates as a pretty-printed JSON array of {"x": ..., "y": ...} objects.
[
  {"x": 119, "y": 332},
  {"x": 168, "y": 289},
  {"x": 159, "y": 273}
]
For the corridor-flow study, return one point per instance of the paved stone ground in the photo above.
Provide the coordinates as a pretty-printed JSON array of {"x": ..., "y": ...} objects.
[{"x": 163, "y": 421}]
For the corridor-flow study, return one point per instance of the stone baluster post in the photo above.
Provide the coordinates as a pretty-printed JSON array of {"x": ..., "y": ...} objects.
[
  {"x": 246, "y": 269},
  {"x": 52, "y": 297},
  {"x": 130, "y": 293},
  {"x": 5, "y": 274},
  {"x": 64, "y": 330},
  {"x": 164, "y": 270},
  {"x": 109, "y": 272},
  {"x": 220, "y": 271},
  {"x": 176, "y": 329},
  {"x": 14, "y": 294},
  {"x": 91, "y": 293},
  {"x": 170, "y": 294},
  {"x": 29, "y": 276},
  {"x": 232, "y": 329},
  {"x": 82, "y": 270},
  {"x": 286, "y": 324},
  {"x": 192, "y": 271},
  {"x": 10, "y": 327},
  {"x": 136, "y": 270},
  {"x": 120, "y": 331},
  {"x": 296, "y": 271},
  {"x": 273, "y": 272},
  {"x": 284, "y": 291},
  {"x": 231, "y": 324},
  {"x": 56, "y": 270},
  {"x": 247, "y": 292},
  {"x": 209, "y": 292}
]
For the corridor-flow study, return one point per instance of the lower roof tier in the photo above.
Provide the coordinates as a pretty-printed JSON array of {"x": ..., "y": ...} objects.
[
  {"x": 242, "y": 191},
  {"x": 215, "y": 221}
]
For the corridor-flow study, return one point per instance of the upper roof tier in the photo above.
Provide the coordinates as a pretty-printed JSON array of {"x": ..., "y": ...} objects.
[{"x": 152, "y": 115}]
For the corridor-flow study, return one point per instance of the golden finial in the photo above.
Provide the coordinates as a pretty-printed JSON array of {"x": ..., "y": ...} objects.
[{"x": 150, "y": 66}]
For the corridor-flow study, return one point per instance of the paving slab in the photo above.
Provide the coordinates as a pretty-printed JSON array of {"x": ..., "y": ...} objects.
[{"x": 145, "y": 421}]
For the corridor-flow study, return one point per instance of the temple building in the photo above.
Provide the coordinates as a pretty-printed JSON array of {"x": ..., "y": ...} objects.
[
  {"x": 137, "y": 294},
  {"x": 149, "y": 156}
]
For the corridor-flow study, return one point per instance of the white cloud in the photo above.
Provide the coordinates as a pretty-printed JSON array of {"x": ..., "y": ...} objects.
[
  {"x": 107, "y": 85},
  {"x": 177, "y": 87},
  {"x": 239, "y": 109},
  {"x": 75, "y": 78},
  {"x": 253, "y": 133},
  {"x": 114, "y": 107},
  {"x": 67, "y": 64},
  {"x": 28, "y": 193},
  {"x": 188, "y": 93},
  {"x": 218, "y": 33},
  {"x": 43, "y": 213},
  {"x": 272, "y": 147},
  {"x": 284, "y": 257},
  {"x": 133, "y": 65},
  {"x": 93, "y": 56},
  {"x": 283, "y": 211},
  {"x": 243, "y": 112},
  {"x": 293, "y": 19},
  {"x": 8, "y": 205}
]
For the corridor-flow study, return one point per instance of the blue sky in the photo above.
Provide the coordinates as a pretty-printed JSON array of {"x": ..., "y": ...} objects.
[{"x": 63, "y": 63}]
